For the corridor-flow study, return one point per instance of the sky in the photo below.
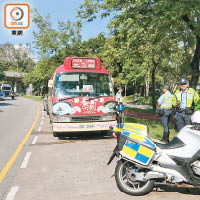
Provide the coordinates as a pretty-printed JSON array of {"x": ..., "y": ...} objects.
[{"x": 63, "y": 10}]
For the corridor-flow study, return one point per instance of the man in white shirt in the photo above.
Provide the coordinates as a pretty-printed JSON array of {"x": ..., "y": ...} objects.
[
  {"x": 165, "y": 103},
  {"x": 119, "y": 95}
]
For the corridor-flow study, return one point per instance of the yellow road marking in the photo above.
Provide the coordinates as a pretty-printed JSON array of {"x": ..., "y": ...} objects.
[{"x": 19, "y": 148}]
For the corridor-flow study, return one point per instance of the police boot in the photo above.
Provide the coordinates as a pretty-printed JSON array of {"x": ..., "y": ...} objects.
[{"x": 165, "y": 137}]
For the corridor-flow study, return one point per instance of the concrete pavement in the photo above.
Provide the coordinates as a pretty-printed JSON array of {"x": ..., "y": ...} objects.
[{"x": 72, "y": 169}]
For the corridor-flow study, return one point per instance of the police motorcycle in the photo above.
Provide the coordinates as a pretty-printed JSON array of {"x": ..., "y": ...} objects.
[{"x": 143, "y": 164}]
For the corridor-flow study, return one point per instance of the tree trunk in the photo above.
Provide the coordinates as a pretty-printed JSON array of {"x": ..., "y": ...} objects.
[
  {"x": 135, "y": 87},
  {"x": 125, "y": 90},
  {"x": 147, "y": 84},
  {"x": 195, "y": 61},
  {"x": 153, "y": 79},
  {"x": 195, "y": 65},
  {"x": 153, "y": 73}
]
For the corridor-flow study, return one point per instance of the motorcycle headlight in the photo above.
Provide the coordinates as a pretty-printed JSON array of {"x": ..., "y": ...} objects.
[
  {"x": 109, "y": 107},
  {"x": 61, "y": 108}
]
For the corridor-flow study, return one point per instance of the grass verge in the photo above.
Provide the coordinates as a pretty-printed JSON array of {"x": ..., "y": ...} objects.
[
  {"x": 36, "y": 98},
  {"x": 141, "y": 110}
]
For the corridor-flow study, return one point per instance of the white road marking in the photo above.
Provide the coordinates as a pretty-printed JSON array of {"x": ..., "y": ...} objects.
[
  {"x": 42, "y": 113},
  {"x": 35, "y": 140},
  {"x": 39, "y": 129},
  {"x": 42, "y": 117},
  {"x": 12, "y": 193},
  {"x": 25, "y": 161},
  {"x": 41, "y": 123}
]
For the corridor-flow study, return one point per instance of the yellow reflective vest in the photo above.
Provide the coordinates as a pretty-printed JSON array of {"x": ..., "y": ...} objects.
[
  {"x": 168, "y": 101},
  {"x": 192, "y": 98}
]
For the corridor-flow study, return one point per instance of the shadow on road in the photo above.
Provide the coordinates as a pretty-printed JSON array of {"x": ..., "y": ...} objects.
[
  {"x": 73, "y": 138},
  {"x": 5, "y": 104},
  {"x": 182, "y": 190},
  {"x": 8, "y": 102},
  {"x": 11, "y": 99},
  {"x": 85, "y": 136}
]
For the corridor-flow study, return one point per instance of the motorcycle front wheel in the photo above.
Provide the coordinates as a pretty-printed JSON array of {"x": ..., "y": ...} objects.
[{"x": 126, "y": 180}]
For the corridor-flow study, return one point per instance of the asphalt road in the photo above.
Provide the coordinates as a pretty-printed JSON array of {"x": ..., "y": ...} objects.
[
  {"x": 16, "y": 118},
  {"x": 68, "y": 169}
]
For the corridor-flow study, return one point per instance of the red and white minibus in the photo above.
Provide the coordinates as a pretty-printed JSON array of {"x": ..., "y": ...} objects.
[{"x": 81, "y": 97}]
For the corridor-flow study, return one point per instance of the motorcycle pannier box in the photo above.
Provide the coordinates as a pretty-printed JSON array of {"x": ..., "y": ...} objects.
[{"x": 137, "y": 147}]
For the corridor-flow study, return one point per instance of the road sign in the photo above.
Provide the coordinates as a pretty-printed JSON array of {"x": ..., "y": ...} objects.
[{"x": 41, "y": 87}]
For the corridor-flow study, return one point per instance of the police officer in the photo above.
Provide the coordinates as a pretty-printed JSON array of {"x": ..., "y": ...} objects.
[
  {"x": 119, "y": 94},
  {"x": 185, "y": 99},
  {"x": 165, "y": 104}
]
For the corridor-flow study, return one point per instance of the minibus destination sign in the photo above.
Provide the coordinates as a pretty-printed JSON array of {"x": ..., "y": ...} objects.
[{"x": 83, "y": 63}]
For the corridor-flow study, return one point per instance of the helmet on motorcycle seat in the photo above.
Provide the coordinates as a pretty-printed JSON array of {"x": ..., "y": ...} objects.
[{"x": 196, "y": 118}]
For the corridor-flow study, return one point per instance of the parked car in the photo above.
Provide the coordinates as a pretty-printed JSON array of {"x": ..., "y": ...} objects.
[
  {"x": 6, "y": 89},
  {"x": 2, "y": 96}
]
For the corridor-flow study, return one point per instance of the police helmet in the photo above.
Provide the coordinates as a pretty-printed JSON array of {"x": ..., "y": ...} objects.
[
  {"x": 166, "y": 85},
  {"x": 183, "y": 81}
]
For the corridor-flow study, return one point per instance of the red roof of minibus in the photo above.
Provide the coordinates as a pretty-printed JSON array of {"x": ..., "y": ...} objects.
[
  {"x": 74, "y": 64},
  {"x": 61, "y": 69}
]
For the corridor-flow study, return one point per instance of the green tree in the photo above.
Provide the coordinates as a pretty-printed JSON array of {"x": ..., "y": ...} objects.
[
  {"x": 40, "y": 75},
  {"x": 177, "y": 20},
  {"x": 2, "y": 69},
  {"x": 152, "y": 41},
  {"x": 55, "y": 42},
  {"x": 16, "y": 58}
]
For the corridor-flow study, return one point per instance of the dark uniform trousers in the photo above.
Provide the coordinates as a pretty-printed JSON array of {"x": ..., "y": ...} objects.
[
  {"x": 182, "y": 119},
  {"x": 165, "y": 120}
]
